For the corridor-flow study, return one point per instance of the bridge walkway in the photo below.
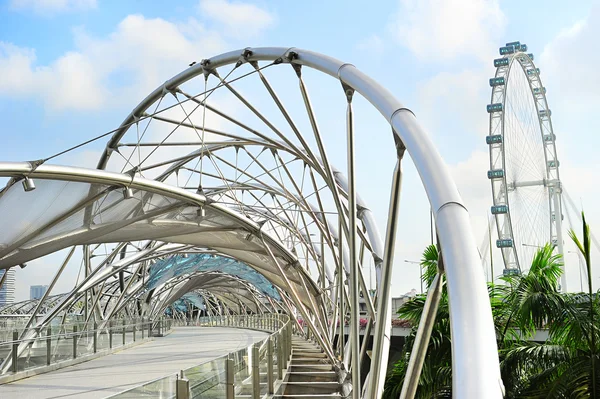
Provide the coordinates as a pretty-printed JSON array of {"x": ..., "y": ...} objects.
[{"x": 184, "y": 347}]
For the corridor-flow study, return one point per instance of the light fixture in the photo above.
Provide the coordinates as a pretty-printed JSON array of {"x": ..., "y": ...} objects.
[
  {"x": 28, "y": 184},
  {"x": 127, "y": 193},
  {"x": 23, "y": 265},
  {"x": 201, "y": 212}
]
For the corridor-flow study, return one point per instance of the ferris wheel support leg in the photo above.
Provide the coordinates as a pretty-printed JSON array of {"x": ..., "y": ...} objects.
[{"x": 559, "y": 238}]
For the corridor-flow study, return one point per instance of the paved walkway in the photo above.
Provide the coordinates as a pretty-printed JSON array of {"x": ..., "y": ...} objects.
[{"x": 107, "y": 375}]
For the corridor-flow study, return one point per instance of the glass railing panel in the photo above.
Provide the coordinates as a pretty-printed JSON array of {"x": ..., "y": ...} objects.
[
  {"x": 163, "y": 388},
  {"x": 208, "y": 379},
  {"x": 241, "y": 365}
]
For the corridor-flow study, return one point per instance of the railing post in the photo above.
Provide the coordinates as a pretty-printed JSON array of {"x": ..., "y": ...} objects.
[
  {"x": 48, "y": 346},
  {"x": 15, "y": 351},
  {"x": 182, "y": 389},
  {"x": 255, "y": 373},
  {"x": 74, "y": 342},
  {"x": 289, "y": 354},
  {"x": 279, "y": 349},
  {"x": 283, "y": 346},
  {"x": 229, "y": 381},
  {"x": 95, "y": 337},
  {"x": 142, "y": 328},
  {"x": 110, "y": 334},
  {"x": 133, "y": 329},
  {"x": 149, "y": 328},
  {"x": 270, "y": 382},
  {"x": 123, "y": 332}
]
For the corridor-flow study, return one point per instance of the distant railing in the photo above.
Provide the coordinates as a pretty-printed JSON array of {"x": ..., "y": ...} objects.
[
  {"x": 60, "y": 343},
  {"x": 237, "y": 373}
]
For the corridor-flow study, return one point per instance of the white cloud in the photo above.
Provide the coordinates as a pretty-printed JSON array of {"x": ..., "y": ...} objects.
[
  {"x": 571, "y": 82},
  {"x": 456, "y": 98},
  {"x": 240, "y": 20},
  {"x": 372, "y": 44},
  {"x": 471, "y": 179},
  {"x": 53, "y": 6},
  {"x": 568, "y": 66},
  {"x": 447, "y": 29},
  {"x": 68, "y": 82},
  {"x": 123, "y": 67}
]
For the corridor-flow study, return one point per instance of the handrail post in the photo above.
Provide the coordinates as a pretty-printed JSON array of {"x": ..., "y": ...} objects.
[
  {"x": 110, "y": 334},
  {"x": 289, "y": 343},
  {"x": 75, "y": 342},
  {"x": 142, "y": 327},
  {"x": 255, "y": 373},
  {"x": 95, "y": 337},
  {"x": 229, "y": 382},
  {"x": 270, "y": 389},
  {"x": 15, "y": 351},
  {"x": 182, "y": 387},
  {"x": 279, "y": 349},
  {"x": 149, "y": 328},
  {"x": 133, "y": 329},
  {"x": 48, "y": 346},
  {"x": 123, "y": 332},
  {"x": 284, "y": 357}
]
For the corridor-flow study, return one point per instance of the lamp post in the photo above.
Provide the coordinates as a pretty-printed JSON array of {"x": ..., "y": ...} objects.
[{"x": 420, "y": 271}]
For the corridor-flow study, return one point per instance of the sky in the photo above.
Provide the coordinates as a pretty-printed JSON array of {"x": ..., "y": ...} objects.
[{"x": 73, "y": 69}]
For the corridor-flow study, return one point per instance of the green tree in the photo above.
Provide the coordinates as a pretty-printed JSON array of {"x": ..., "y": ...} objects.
[
  {"x": 436, "y": 376},
  {"x": 566, "y": 364},
  {"x": 521, "y": 306}
]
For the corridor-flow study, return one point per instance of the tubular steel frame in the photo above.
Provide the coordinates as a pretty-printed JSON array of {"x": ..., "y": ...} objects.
[{"x": 115, "y": 286}]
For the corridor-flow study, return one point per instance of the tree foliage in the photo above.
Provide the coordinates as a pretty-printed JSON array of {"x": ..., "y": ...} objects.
[{"x": 565, "y": 365}]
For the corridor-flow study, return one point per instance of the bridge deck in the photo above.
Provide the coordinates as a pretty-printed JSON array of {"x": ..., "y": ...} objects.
[{"x": 107, "y": 375}]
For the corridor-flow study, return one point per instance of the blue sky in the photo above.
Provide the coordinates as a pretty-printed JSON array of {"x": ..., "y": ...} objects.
[{"x": 73, "y": 69}]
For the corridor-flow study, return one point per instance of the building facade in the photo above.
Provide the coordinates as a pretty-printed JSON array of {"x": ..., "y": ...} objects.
[
  {"x": 37, "y": 291},
  {"x": 7, "y": 291}
]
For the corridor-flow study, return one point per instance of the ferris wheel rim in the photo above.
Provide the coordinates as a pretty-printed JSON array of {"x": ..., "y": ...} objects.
[{"x": 543, "y": 123}]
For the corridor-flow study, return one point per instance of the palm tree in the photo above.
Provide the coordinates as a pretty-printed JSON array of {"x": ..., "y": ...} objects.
[
  {"x": 524, "y": 304},
  {"x": 566, "y": 365},
  {"x": 532, "y": 300}
]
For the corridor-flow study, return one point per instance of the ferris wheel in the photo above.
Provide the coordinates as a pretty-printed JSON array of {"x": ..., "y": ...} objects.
[{"x": 524, "y": 168}]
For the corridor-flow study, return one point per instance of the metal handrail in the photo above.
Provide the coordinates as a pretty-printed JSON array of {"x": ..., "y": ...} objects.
[
  {"x": 71, "y": 333},
  {"x": 90, "y": 339}
]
